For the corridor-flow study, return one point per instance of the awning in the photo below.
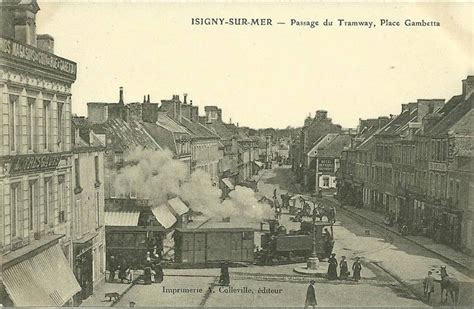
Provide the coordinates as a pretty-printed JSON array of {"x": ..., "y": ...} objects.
[
  {"x": 122, "y": 218},
  {"x": 228, "y": 183},
  {"x": 259, "y": 164},
  {"x": 164, "y": 216},
  {"x": 178, "y": 206},
  {"x": 42, "y": 280}
]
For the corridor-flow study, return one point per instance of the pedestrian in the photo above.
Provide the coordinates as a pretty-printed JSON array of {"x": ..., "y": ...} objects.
[
  {"x": 131, "y": 304},
  {"x": 310, "y": 296},
  {"x": 122, "y": 273},
  {"x": 158, "y": 272},
  {"x": 112, "y": 268},
  {"x": 275, "y": 193},
  {"x": 332, "y": 269},
  {"x": 147, "y": 269},
  {"x": 428, "y": 286},
  {"x": 344, "y": 270},
  {"x": 356, "y": 268},
  {"x": 224, "y": 278}
]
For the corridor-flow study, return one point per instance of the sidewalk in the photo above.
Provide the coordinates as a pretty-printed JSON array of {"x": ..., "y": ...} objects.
[
  {"x": 446, "y": 252},
  {"x": 98, "y": 299}
]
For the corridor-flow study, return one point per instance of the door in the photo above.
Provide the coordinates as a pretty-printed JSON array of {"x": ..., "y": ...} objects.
[
  {"x": 199, "y": 248},
  {"x": 236, "y": 247},
  {"x": 218, "y": 246}
]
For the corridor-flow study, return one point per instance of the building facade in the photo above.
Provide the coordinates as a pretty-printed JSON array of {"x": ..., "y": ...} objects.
[
  {"x": 36, "y": 158},
  {"x": 88, "y": 208},
  {"x": 419, "y": 168}
]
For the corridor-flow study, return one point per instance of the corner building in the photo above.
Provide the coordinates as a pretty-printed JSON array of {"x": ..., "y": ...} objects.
[{"x": 35, "y": 158}]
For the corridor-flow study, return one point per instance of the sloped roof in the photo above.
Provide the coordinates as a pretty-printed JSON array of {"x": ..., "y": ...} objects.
[
  {"x": 458, "y": 117},
  {"x": 125, "y": 135},
  {"x": 400, "y": 123},
  {"x": 166, "y": 122},
  {"x": 161, "y": 135},
  {"x": 221, "y": 130},
  {"x": 197, "y": 129},
  {"x": 335, "y": 147},
  {"x": 321, "y": 143}
]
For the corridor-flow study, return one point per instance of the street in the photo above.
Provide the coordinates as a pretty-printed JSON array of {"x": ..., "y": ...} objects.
[{"x": 392, "y": 274}]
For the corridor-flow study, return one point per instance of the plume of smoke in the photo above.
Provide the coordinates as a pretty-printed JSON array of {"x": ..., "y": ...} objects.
[
  {"x": 152, "y": 174},
  {"x": 156, "y": 175}
]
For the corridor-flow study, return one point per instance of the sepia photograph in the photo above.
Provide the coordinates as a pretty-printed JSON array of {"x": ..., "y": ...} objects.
[{"x": 236, "y": 154}]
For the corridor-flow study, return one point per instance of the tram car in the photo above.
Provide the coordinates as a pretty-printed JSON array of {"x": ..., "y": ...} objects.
[{"x": 282, "y": 247}]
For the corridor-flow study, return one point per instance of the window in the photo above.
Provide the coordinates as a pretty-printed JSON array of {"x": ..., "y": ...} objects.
[
  {"x": 96, "y": 166},
  {"x": 14, "y": 209},
  {"x": 118, "y": 157},
  {"x": 80, "y": 219},
  {"x": 326, "y": 181},
  {"x": 101, "y": 259},
  {"x": 31, "y": 123},
  {"x": 14, "y": 123},
  {"x": 47, "y": 198},
  {"x": 97, "y": 209},
  {"x": 61, "y": 206},
  {"x": 46, "y": 125},
  {"x": 31, "y": 204},
  {"x": 60, "y": 126},
  {"x": 77, "y": 170}
]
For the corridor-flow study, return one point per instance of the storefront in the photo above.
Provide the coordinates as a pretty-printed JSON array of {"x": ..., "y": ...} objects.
[{"x": 41, "y": 280}]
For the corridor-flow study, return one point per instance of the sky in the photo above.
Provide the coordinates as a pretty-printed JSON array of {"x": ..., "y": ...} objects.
[{"x": 264, "y": 76}]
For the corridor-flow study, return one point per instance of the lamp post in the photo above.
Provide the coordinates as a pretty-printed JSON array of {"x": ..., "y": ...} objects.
[{"x": 313, "y": 261}]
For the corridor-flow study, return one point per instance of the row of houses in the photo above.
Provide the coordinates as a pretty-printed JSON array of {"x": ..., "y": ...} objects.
[
  {"x": 417, "y": 167},
  {"x": 61, "y": 214}
]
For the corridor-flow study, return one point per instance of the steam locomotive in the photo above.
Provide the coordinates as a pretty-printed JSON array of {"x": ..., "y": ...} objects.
[{"x": 282, "y": 247}]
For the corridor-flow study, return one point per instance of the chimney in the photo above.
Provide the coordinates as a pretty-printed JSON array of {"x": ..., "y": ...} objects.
[
  {"x": 468, "y": 86},
  {"x": 185, "y": 97},
  {"x": 24, "y": 21},
  {"x": 190, "y": 102},
  {"x": 45, "y": 42},
  {"x": 321, "y": 114},
  {"x": 121, "y": 96},
  {"x": 405, "y": 107},
  {"x": 230, "y": 120},
  {"x": 144, "y": 99},
  {"x": 148, "y": 99}
]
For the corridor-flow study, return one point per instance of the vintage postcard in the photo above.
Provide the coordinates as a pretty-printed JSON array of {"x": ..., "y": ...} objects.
[{"x": 236, "y": 154}]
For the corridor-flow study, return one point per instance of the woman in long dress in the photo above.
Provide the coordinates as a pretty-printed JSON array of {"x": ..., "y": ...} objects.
[
  {"x": 356, "y": 268},
  {"x": 344, "y": 270},
  {"x": 332, "y": 269}
]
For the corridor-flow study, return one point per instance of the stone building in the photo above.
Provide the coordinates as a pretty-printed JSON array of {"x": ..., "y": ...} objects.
[
  {"x": 418, "y": 167},
  {"x": 205, "y": 144},
  {"x": 36, "y": 159},
  {"x": 324, "y": 160},
  {"x": 88, "y": 208},
  {"x": 312, "y": 131}
]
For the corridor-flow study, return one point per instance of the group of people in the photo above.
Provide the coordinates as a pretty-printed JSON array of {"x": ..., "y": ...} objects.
[
  {"x": 153, "y": 270},
  {"x": 343, "y": 268},
  {"x": 122, "y": 268}
]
